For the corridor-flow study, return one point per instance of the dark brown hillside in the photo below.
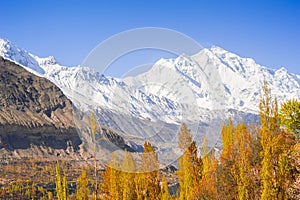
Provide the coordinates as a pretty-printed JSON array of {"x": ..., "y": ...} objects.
[
  {"x": 36, "y": 118},
  {"x": 33, "y": 111}
]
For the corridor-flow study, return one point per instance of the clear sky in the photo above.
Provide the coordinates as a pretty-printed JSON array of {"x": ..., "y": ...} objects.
[{"x": 266, "y": 30}]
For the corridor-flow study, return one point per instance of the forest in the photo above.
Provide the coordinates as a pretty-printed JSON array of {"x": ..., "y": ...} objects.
[{"x": 257, "y": 161}]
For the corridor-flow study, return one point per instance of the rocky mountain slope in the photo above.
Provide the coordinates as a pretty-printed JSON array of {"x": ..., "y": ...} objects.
[
  {"x": 36, "y": 118},
  {"x": 33, "y": 112},
  {"x": 201, "y": 89}
]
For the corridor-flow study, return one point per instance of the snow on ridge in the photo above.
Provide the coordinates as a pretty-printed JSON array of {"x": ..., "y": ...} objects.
[
  {"x": 211, "y": 79},
  {"x": 10, "y": 51}
]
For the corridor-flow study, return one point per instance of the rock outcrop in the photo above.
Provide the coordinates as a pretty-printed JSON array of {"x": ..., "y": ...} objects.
[
  {"x": 33, "y": 112},
  {"x": 37, "y": 119}
]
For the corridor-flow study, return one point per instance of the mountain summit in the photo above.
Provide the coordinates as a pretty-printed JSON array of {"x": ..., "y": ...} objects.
[
  {"x": 200, "y": 89},
  {"x": 10, "y": 51}
]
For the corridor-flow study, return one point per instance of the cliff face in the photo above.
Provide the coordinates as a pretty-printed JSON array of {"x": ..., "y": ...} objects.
[
  {"x": 31, "y": 101},
  {"x": 36, "y": 118},
  {"x": 33, "y": 111}
]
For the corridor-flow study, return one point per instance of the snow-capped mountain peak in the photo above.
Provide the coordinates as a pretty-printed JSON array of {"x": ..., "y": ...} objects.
[
  {"x": 218, "y": 50},
  {"x": 196, "y": 88},
  {"x": 10, "y": 51},
  {"x": 45, "y": 61}
]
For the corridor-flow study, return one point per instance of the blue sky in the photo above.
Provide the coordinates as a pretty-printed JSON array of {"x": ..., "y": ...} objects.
[{"x": 268, "y": 30}]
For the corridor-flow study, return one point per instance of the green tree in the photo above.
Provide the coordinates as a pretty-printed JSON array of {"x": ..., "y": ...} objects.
[{"x": 290, "y": 115}]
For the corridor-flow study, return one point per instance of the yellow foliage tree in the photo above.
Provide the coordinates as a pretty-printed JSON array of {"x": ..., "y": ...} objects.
[
  {"x": 82, "y": 190},
  {"x": 165, "y": 195},
  {"x": 128, "y": 171},
  {"x": 185, "y": 138},
  {"x": 227, "y": 186},
  {"x": 207, "y": 185},
  {"x": 94, "y": 127},
  {"x": 242, "y": 165},
  {"x": 276, "y": 147},
  {"x": 62, "y": 190},
  {"x": 149, "y": 169},
  {"x": 190, "y": 165}
]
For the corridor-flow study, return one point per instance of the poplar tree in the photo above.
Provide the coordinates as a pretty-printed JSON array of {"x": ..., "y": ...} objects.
[
  {"x": 94, "y": 126},
  {"x": 269, "y": 129},
  {"x": 184, "y": 176},
  {"x": 190, "y": 165},
  {"x": 62, "y": 190},
  {"x": 185, "y": 138},
  {"x": 205, "y": 157},
  {"x": 114, "y": 179},
  {"x": 149, "y": 177},
  {"x": 277, "y": 170},
  {"x": 111, "y": 185},
  {"x": 128, "y": 171},
  {"x": 65, "y": 195},
  {"x": 227, "y": 186},
  {"x": 207, "y": 186},
  {"x": 139, "y": 180},
  {"x": 242, "y": 164},
  {"x": 82, "y": 190},
  {"x": 58, "y": 187},
  {"x": 165, "y": 195}
]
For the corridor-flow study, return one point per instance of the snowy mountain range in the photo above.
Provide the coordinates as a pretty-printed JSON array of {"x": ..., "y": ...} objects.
[{"x": 201, "y": 90}]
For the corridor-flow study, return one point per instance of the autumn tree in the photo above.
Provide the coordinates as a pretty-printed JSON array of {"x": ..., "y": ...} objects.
[
  {"x": 242, "y": 163},
  {"x": 276, "y": 145},
  {"x": 227, "y": 185},
  {"x": 59, "y": 190},
  {"x": 65, "y": 188},
  {"x": 235, "y": 175},
  {"x": 128, "y": 171},
  {"x": 190, "y": 165},
  {"x": 82, "y": 190},
  {"x": 149, "y": 173},
  {"x": 208, "y": 182},
  {"x": 185, "y": 138},
  {"x": 184, "y": 177},
  {"x": 111, "y": 186},
  {"x": 62, "y": 190},
  {"x": 256, "y": 160},
  {"x": 294, "y": 186},
  {"x": 94, "y": 127},
  {"x": 165, "y": 195},
  {"x": 269, "y": 130},
  {"x": 206, "y": 158}
]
